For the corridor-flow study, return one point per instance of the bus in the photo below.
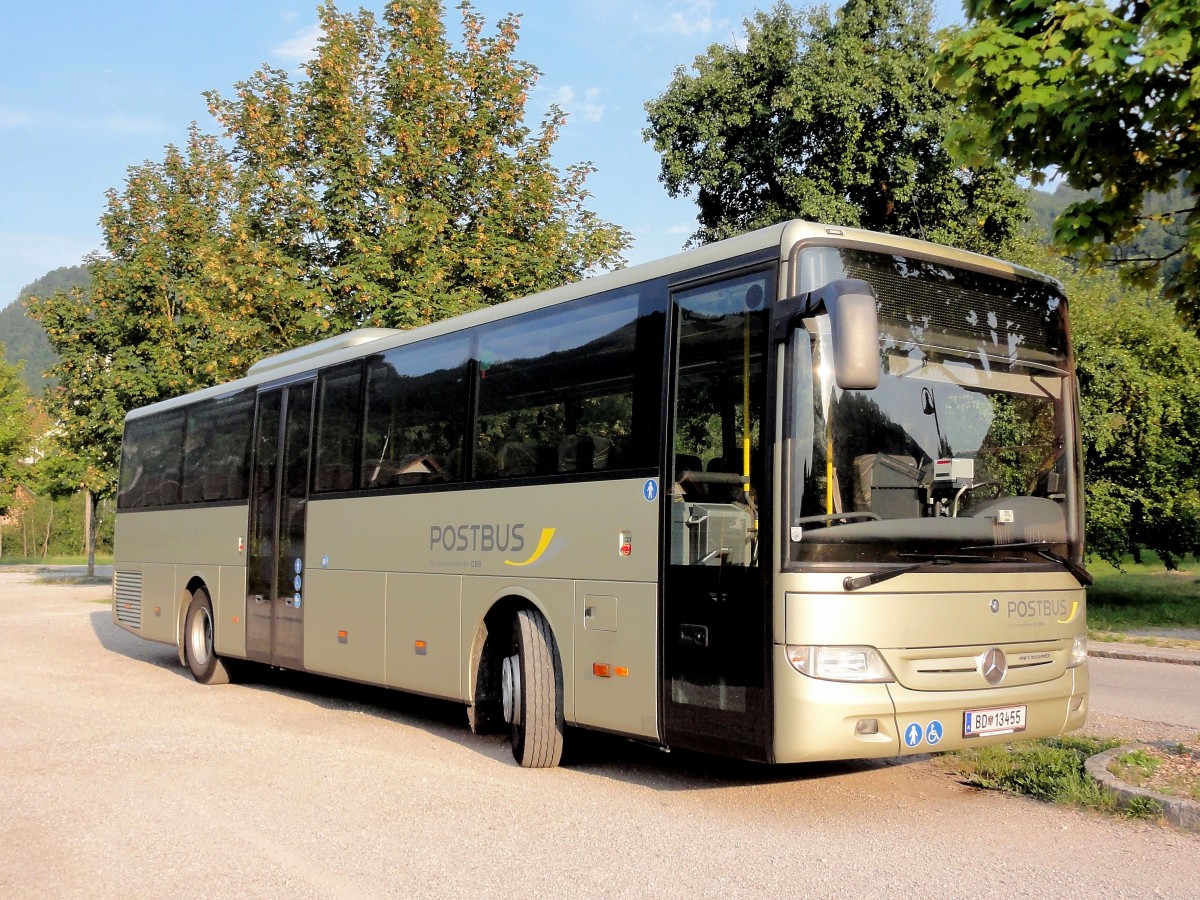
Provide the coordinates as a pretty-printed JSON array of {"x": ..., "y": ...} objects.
[{"x": 809, "y": 493}]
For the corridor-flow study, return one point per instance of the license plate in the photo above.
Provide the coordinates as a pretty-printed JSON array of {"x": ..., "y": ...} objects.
[{"x": 1000, "y": 720}]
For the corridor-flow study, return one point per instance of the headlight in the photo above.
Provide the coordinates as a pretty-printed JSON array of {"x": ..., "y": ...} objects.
[
  {"x": 1078, "y": 651},
  {"x": 839, "y": 663}
]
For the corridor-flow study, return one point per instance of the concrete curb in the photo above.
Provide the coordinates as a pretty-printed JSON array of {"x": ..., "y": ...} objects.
[
  {"x": 1144, "y": 654},
  {"x": 1178, "y": 811}
]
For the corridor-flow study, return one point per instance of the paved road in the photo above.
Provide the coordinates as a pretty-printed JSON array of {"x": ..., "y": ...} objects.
[
  {"x": 1148, "y": 692},
  {"x": 120, "y": 776}
]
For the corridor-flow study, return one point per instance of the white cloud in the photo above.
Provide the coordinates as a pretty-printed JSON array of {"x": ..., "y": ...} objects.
[
  {"x": 586, "y": 108},
  {"x": 13, "y": 118},
  {"x": 115, "y": 122},
  {"x": 677, "y": 18},
  {"x": 300, "y": 48}
]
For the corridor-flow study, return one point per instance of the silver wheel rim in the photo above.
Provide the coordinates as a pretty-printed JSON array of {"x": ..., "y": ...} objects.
[
  {"x": 510, "y": 688},
  {"x": 200, "y": 637}
]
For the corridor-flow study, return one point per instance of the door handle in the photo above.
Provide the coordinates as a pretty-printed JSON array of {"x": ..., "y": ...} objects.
[{"x": 258, "y": 598}]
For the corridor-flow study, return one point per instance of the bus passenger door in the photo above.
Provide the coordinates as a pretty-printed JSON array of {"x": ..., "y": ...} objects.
[
  {"x": 714, "y": 593},
  {"x": 278, "y": 513}
]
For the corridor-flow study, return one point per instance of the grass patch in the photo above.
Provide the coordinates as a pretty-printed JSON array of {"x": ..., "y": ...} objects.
[
  {"x": 1050, "y": 770},
  {"x": 1135, "y": 766},
  {"x": 101, "y": 560},
  {"x": 1172, "y": 769},
  {"x": 1143, "y": 595}
]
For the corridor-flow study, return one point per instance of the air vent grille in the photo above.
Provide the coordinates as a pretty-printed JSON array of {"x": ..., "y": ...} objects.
[{"x": 127, "y": 598}]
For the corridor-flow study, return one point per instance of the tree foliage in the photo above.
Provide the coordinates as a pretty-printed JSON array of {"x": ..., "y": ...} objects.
[
  {"x": 1106, "y": 93},
  {"x": 16, "y": 420},
  {"x": 399, "y": 181},
  {"x": 831, "y": 117},
  {"x": 1139, "y": 377},
  {"x": 394, "y": 185}
]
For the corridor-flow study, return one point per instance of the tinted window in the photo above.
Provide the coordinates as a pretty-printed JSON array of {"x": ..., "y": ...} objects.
[
  {"x": 216, "y": 449},
  {"x": 338, "y": 428},
  {"x": 416, "y": 400},
  {"x": 556, "y": 390},
  {"x": 151, "y": 460}
]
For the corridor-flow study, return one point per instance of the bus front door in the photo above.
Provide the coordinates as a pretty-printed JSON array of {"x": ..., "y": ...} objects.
[
  {"x": 714, "y": 593},
  {"x": 278, "y": 511}
]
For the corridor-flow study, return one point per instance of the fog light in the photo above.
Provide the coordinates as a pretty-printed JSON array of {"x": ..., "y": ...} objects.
[{"x": 866, "y": 726}]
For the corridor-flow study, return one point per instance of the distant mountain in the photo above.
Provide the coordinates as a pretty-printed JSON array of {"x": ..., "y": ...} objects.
[
  {"x": 22, "y": 336},
  {"x": 1154, "y": 241}
]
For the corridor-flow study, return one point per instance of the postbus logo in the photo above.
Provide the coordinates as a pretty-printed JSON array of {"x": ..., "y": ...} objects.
[{"x": 486, "y": 537}]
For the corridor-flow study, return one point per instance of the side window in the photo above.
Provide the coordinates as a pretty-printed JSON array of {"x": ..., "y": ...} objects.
[
  {"x": 216, "y": 449},
  {"x": 339, "y": 394},
  {"x": 720, "y": 341},
  {"x": 416, "y": 402},
  {"x": 152, "y": 461},
  {"x": 556, "y": 390}
]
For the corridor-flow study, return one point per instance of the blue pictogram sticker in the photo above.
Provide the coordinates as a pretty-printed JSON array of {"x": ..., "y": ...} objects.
[
  {"x": 913, "y": 735},
  {"x": 933, "y": 733},
  {"x": 650, "y": 490}
]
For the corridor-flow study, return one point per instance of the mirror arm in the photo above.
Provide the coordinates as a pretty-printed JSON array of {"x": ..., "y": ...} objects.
[{"x": 850, "y": 303}]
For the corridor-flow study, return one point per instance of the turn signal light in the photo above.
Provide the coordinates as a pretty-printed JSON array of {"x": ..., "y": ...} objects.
[{"x": 601, "y": 670}]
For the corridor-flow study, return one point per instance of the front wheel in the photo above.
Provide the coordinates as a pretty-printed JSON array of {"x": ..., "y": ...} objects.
[
  {"x": 532, "y": 690},
  {"x": 198, "y": 632}
]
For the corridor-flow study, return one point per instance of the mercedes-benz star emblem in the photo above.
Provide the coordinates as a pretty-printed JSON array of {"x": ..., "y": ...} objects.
[
  {"x": 993, "y": 666},
  {"x": 995, "y": 606}
]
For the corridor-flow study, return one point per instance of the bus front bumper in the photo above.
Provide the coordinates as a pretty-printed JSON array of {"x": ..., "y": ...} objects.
[{"x": 825, "y": 720}]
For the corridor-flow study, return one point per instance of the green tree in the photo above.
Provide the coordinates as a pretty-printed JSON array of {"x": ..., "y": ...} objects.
[
  {"x": 16, "y": 436},
  {"x": 399, "y": 181},
  {"x": 1103, "y": 92},
  {"x": 396, "y": 184},
  {"x": 1139, "y": 377},
  {"x": 828, "y": 117}
]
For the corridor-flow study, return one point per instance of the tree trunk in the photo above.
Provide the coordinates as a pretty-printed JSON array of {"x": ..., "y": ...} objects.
[
  {"x": 89, "y": 530},
  {"x": 49, "y": 525}
]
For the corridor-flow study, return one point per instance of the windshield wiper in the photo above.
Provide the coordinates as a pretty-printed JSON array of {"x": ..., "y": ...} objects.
[
  {"x": 928, "y": 561},
  {"x": 1042, "y": 549}
]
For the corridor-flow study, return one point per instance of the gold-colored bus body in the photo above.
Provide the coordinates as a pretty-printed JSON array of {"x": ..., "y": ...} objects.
[
  {"x": 372, "y": 579},
  {"x": 933, "y": 629}
]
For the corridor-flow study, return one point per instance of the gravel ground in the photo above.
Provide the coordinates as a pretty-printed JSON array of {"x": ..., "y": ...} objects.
[{"x": 120, "y": 776}]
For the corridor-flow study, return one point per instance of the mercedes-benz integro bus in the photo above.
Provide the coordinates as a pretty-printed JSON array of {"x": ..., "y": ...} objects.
[{"x": 808, "y": 493}]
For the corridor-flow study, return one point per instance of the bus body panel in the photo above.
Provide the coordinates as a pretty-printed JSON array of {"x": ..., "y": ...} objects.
[
  {"x": 423, "y": 631},
  {"x": 616, "y": 657},
  {"x": 928, "y": 609},
  {"x": 818, "y": 720},
  {"x": 173, "y": 547},
  {"x": 344, "y": 624},
  {"x": 535, "y": 531},
  {"x": 229, "y": 638}
]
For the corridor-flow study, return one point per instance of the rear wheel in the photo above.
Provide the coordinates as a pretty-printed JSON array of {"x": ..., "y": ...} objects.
[
  {"x": 198, "y": 633},
  {"x": 531, "y": 689}
]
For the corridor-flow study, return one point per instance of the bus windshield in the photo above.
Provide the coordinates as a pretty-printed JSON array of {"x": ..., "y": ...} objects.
[{"x": 965, "y": 447}]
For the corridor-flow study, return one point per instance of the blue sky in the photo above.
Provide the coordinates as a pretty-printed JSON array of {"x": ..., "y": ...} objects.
[{"x": 88, "y": 89}]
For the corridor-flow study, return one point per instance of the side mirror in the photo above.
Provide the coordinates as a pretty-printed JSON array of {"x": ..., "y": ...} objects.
[{"x": 850, "y": 303}]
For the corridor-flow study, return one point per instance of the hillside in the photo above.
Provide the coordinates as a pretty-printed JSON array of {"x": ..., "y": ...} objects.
[
  {"x": 23, "y": 338},
  {"x": 1154, "y": 241}
]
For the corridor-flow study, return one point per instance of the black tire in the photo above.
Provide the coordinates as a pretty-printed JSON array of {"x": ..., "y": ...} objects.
[
  {"x": 198, "y": 631},
  {"x": 537, "y": 732}
]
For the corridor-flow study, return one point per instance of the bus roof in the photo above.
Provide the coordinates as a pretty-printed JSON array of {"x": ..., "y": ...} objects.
[{"x": 783, "y": 237}]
